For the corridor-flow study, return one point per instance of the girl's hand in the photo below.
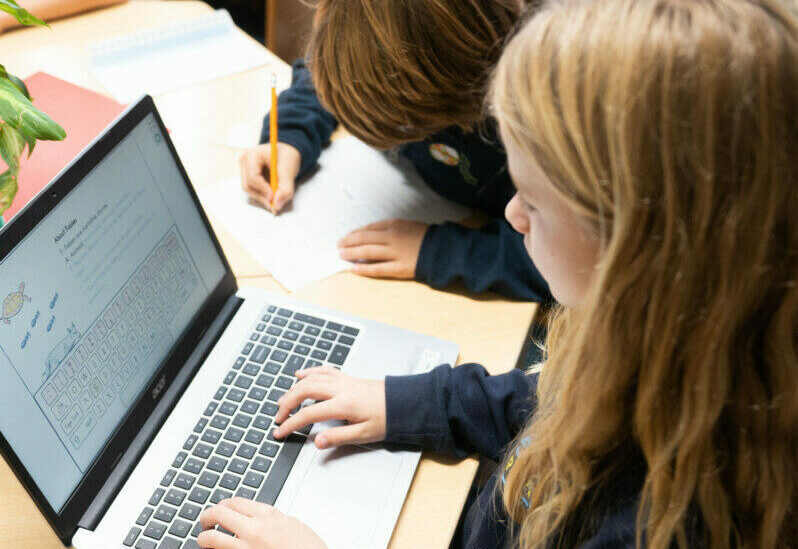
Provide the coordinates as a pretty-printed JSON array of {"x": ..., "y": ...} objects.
[
  {"x": 256, "y": 526},
  {"x": 255, "y": 171},
  {"x": 385, "y": 249},
  {"x": 361, "y": 402}
]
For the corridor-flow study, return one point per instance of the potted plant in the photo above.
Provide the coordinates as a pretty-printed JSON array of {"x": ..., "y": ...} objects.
[{"x": 21, "y": 123}]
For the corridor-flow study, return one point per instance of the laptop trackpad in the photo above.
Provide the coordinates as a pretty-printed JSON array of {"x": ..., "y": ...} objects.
[{"x": 345, "y": 491}]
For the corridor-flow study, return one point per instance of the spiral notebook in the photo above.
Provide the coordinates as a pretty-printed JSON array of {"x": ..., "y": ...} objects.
[{"x": 174, "y": 56}]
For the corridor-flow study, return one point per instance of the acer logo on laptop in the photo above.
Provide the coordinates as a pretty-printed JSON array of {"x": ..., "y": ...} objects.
[{"x": 159, "y": 387}]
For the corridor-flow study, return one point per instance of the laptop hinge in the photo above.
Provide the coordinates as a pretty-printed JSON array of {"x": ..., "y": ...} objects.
[{"x": 128, "y": 460}]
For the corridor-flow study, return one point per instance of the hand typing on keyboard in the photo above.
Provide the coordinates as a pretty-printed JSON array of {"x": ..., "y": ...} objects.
[
  {"x": 256, "y": 526},
  {"x": 360, "y": 402}
]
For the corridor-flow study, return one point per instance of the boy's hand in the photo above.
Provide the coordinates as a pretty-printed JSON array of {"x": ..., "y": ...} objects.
[
  {"x": 361, "y": 402},
  {"x": 256, "y": 526},
  {"x": 255, "y": 174},
  {"x": 385, "y": 249}
]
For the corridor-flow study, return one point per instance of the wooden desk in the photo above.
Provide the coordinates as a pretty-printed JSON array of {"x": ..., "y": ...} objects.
[{"x": 200, "y": 118}]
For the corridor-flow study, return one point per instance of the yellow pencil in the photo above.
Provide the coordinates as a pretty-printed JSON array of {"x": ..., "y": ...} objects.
[{"x": 273, "y": 141}]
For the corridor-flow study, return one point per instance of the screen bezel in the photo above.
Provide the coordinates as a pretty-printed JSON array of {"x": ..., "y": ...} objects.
[{"x": 65, "y": 522}]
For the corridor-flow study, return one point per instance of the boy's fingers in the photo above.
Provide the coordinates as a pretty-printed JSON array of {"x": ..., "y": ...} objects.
[
  {"x": 225, "y": 517},
  {"x": 321, "y": 411},
  {"x": 385, "y": 269},
  {"x": 338, "y": 436},
  {"x": 309, "y": 388},
  {"x": 361, "y": 237},
  {"x": 214, "y": 539},
  {"x": 367, "y": 252},
  {"x": 244, "y": 506}
]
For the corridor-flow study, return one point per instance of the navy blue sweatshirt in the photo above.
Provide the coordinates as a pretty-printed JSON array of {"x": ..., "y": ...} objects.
[
  {"x": 462, "y": 411},
  {"x": 468, "y": 168}
]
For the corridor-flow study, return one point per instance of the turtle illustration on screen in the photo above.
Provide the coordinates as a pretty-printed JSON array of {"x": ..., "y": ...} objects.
[{"x": 13, "y": 303}]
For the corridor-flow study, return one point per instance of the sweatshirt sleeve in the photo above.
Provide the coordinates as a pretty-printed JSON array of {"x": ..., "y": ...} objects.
[
  {"x": 301, "y": 120},
  {"x": 459, "y": 411},
  {"x": 491, "y": 258}
]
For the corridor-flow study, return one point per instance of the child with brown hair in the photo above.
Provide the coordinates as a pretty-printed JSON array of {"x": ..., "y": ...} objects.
[
  {"x": 408, "y": 75},
  {"x": 654, "y": 147}
]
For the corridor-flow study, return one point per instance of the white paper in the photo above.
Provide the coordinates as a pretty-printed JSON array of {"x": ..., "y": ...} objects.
[
  {"x": 174, "y": 56},
  {"x": 354, "y": 186}
]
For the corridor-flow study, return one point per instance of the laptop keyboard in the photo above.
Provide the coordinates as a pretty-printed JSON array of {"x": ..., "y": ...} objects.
[{"x": 231, "y": 451}]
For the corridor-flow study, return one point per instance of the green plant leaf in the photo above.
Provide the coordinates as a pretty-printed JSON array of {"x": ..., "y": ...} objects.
[
  {"x": 16, "y": 81},
  {"x": 20, "y": 14},
  {"x": 8, "y": 189},
  {"x": 17, "y": 111},
  {"x": 11, "y": 145}
]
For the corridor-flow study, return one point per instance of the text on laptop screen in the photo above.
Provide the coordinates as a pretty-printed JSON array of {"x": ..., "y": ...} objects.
[{"x": 93, "y": 300}]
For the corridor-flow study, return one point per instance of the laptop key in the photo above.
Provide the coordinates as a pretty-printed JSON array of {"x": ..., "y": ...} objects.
[
  {"x": 165, "y": 513},
  {"x": 168, "y": 477},
  {"x": 230, "y": 377},
  {"x": 247, "y": 348},
  {"x": 348, "y": 330},
  {"x": 254, "y": 437},
  {"x": 197, "y": 530},
  {"x": 253, "y": 480},
  {"x": 335, "y": 326},
  {"x": 251, "y": 369},
  {"x": 307, "y": 340},
  {"x": 236, "y": 395},
  {"x": 190, "y": 441},
  {"x": 193, "y": 466},
  {"x": 279, "y": 356},
  {"x": 239, "y": 362},
  {"x": 266, "y": 318},
  {"x": 156, "y": 496},
  {"x": 284, "y": 382},
  {"x": 269, "y": 409},
  {"x": 179, "y": 459},
  {"x": 243, "y": 382},
  {"x": 180, "y": 528},
  {"x": 255, "y": 336},
  {"x": 319, "y": 355},
  {"x": 246, "y": 451},
  {"x": 145, "y": 544},
  {"x": 275, "y": 394},
  {"x": 144, "y": 516},
  {"x": 200, "y": 425},
  {"x": 290, "y": 335},
  {"x": 250, "y": 407},
  {"x": 155, "y": 530},
  {"x": 339, "y": 354},
  {"x": 175, "y": 497},
  {"x": 257, "y": 393},
  {"x": 242, "y": 421},
  {"x": 190, "y": 544},
  {"x": 294, "y": 325},
  {"x": 324, "y": 345},
  {"x": 234, "y": 434},
  {"x": 285, "y": 312},
  {"x": 261, "y": 464},
  {"x": 220, "y": 422},
  {"x": 260, "y": 354},
  {"x": 346, "y": 340},
  {"x": 302, "y": 350},
  {"x": 210, "y": 409},
  {"x": 312, "y": 330},
  {"x": 228, "y": 408},
  {"x": 327, "y": 334},
  {"x": 217, "y": 464},
  {"x": 130, "y": 539},
  {"x": 269, "y": 449},
  {"x": 220, "y": 393},
  {"x": 238, "y": 466},
  {"x": 262, "y": 422},
  {"x": 208, "y": 479},
  {"x": 269, "y": 339},
  {"x": 229, "y": 481},
  {"x": 264, "y": 380},
  {"x": 202, "y": 451},
  {"x": 219, "y": 495},
  {"x": 225, "y": 449},
  {"x": 312, "y": 364},
  {"x": 169, "y": 543},
  {"x": 199, "y": 495},
  {"x": 279, "y": 471},
  {"x": 274, "y": 330},
  {"x": 272, "y": 308},
  {"x": 184, "y": 481},
  {"x": 294, "y": 363},
  {"x": 211, "y": 436},
  {"x": 310, "y": 319},
  {"x": 246, "y": 493},
  {"x": 189, "y": 512}
]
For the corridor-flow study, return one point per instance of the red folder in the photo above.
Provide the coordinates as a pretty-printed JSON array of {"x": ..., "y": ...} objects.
[{"x": 81, "y": 112}]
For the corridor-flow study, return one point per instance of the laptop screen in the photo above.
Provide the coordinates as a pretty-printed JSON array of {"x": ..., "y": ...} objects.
[{"x": 93, "y": 300}]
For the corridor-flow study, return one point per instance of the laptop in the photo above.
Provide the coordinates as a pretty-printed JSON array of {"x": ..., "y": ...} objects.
[{"x": 138, "y": 382}]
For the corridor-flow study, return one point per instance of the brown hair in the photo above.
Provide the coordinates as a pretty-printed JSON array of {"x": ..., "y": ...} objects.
[
  {"x": 671, "y": 127},
  {"x": 394, "y": 71}
]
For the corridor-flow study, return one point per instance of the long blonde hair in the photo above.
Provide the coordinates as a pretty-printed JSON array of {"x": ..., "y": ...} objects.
[{"x": 671, "y": 127}]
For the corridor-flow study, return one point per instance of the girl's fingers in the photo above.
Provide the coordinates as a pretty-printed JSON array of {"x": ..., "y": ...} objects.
[
  {"x": 225, "y": 517},
  {"x": 368, "y": 252},
  {"x": 214, "y": 539},
  {"x": 317, "y": 370},
  {"x": 321, "y": 411},
  {"x": 376, "y": 226},
  {"x": 345, "y": 434},
  {"x": 362, "y": 237}
]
